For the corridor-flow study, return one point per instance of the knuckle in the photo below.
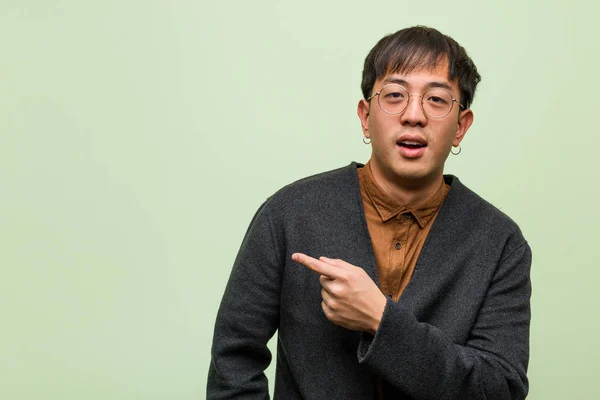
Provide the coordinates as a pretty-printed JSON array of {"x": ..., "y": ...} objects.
[
  {"x": 326, "y": 310},
  {"x": 333, "y": 305},
  {"x": 335, "y": 290}
]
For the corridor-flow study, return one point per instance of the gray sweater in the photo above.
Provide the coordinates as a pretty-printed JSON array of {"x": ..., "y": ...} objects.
[{"x": 459, "y": 331}]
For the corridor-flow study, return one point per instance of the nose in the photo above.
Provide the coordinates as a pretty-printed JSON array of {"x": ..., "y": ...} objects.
[{"x": 414, "y": 114}]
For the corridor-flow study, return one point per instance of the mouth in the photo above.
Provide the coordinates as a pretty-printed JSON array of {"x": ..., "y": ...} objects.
[
  {"x": 412, "y": 147},
  {"x": 409, "y": 144}
]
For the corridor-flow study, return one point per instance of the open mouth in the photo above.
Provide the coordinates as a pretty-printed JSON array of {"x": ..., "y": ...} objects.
[{"x": 411, "y": 145}]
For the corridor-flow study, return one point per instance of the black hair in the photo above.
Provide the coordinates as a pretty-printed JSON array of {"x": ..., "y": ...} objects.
[{"x": 420, "y": 47}]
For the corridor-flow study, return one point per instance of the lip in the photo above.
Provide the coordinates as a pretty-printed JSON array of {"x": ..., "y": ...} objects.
[
  {"x": 407, "y": 137},
  {"x": 411, "y": 152}
]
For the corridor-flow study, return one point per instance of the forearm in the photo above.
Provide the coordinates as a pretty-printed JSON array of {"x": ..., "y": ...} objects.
[
  {"x": 419, "y": 360},
  {"x": 239, "y": 353},
  {"x": 237, "y": 371},
  {"x": 488, "y": 362}
]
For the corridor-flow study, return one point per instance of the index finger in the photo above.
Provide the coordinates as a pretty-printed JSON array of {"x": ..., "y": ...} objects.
[{"x": 317, "y": 266}]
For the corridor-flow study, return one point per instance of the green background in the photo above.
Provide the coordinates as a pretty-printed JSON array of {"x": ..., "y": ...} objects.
[{"x": 137, "y": 138}]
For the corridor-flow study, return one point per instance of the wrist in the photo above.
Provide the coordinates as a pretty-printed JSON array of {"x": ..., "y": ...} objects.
[{"x": 378, "y": 314}]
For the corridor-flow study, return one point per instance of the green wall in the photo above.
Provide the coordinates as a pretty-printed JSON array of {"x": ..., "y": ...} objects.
[{"x": 137, "y": 138}]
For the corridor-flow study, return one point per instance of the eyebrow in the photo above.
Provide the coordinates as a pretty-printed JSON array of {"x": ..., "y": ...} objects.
[{"x": 433, "y": 84}]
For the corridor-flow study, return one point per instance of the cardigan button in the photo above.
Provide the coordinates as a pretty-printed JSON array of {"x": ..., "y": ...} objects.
[{"x": 398, "y": 245}]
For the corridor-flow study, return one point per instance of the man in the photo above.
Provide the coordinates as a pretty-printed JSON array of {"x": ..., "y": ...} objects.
[{"x": 388, "y": 280}]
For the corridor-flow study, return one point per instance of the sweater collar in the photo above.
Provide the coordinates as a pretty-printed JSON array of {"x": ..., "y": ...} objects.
[{"x": 388, "y": 207}]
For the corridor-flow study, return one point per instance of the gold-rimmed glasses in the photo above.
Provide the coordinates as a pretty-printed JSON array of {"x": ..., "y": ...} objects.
[{"x": 436, "y": 102}]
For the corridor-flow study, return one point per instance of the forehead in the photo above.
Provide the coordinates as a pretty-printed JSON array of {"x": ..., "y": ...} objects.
[{"x": 422, "y": 77}]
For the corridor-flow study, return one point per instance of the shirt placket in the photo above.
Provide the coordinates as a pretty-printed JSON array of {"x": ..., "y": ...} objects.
[{"x": 397, "y": 253}]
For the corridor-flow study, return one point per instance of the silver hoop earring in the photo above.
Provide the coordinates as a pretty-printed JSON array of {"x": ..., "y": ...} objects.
[
  {"x": 458, "y": 152},
  {"x": 365, "y": 140}
]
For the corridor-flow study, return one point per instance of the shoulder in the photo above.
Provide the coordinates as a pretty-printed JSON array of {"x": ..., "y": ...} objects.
[
  {"x": 327, "y": 189},
  {"x": 340, "y": 178},
  {"x": 469, "y": 209}
]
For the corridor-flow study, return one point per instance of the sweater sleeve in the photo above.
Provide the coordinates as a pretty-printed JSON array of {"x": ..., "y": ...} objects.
[
  {"x": 419, "y": 360},
  {"x": 247, "y": 318}
]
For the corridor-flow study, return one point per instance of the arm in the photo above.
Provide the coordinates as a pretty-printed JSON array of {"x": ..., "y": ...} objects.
[
  {"x": 492, "y": 363},
  {"x": 247, "y": 318},
  {"x": 418, "y": 358}
]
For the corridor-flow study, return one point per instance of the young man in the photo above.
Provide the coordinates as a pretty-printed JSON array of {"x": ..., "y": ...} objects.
[{"x": 388, "y": 280}]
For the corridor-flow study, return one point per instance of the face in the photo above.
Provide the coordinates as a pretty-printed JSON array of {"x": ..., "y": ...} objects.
[{"x": 410, "y": 149}]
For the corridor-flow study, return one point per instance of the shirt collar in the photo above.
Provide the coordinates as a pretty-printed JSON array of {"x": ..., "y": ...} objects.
[{"x": 387, "y": 207}]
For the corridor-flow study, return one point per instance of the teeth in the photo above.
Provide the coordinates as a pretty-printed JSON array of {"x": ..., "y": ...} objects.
[{"x": 411, "y": 143}]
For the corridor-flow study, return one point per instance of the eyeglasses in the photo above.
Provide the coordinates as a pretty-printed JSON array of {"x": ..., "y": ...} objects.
[{"x": 436, "y": 102}]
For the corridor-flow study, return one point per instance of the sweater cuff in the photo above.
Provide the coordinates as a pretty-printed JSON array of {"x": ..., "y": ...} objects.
[{"x": 367, "y": 341}]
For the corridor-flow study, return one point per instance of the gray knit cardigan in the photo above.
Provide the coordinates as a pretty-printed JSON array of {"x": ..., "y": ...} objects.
[{"x": 459, "y": 331}]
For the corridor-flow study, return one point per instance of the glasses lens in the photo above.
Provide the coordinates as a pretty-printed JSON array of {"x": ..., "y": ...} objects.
[
  {"x": 437, "y": 102},
  {"x": 393, "y": 99}
]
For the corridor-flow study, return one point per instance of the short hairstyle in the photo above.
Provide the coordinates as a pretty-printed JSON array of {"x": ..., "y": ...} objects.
[{"x": 420, "y": 47}]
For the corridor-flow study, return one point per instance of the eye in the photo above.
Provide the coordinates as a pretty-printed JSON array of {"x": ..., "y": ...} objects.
[
  {"x": 437, "y": 100},
  {"x": 395, "y": 95}
]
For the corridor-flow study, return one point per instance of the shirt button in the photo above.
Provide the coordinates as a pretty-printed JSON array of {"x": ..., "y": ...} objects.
[{"x": 398, "y": 245}]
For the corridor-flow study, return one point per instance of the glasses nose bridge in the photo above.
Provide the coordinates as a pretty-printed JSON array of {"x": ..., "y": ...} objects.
[{"x": 410, "y": 96}]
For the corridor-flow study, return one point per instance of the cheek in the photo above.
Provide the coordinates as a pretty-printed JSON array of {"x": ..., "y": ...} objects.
[
  {"x": 442, "y": 141},
  {"x": 380, "y": 125},
  {"x": 449, "y": 133}
]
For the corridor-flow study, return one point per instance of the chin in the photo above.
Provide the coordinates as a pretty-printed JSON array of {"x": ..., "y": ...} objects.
[{"x": 414, "y": 175}]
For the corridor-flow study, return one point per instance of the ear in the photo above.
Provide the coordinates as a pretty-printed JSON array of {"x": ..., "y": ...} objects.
[
  {"x": 363, "y": 115},
  {"x": 465, "y": 119}
]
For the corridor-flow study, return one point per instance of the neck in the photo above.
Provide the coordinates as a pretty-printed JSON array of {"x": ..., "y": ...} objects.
[{"x": 408, "y": 192}]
